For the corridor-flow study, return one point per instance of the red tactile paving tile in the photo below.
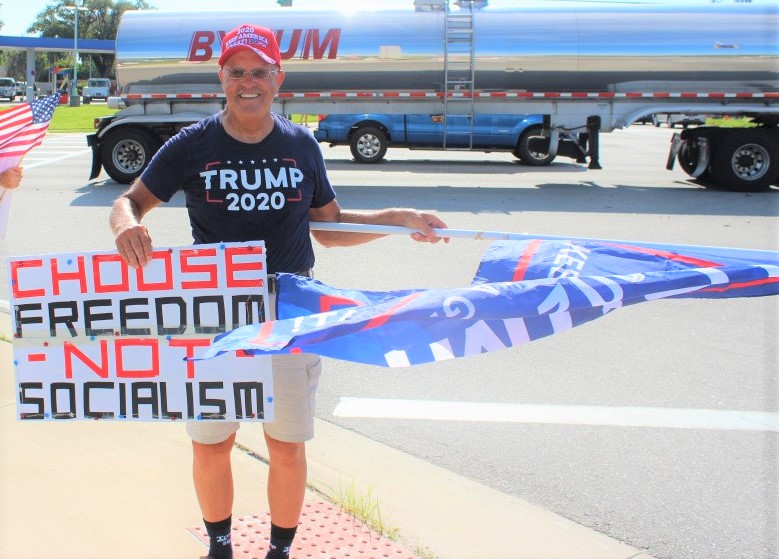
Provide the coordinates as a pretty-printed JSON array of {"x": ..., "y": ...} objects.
[{"x": 325, "y": 532}]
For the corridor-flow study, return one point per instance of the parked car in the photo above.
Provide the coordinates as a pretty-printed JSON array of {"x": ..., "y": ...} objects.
[
  {"x": 684, "y": 120},
  {"x": 21, "y": 89},
  {"x": 369, "y": 135},
  {"x": 96, "y": 88},
  {"x": 8, "y": 88}
]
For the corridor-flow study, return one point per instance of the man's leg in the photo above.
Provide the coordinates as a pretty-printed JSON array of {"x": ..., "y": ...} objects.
[
  {"x": 212, "y": 443},
  {"x": 213, "y": 476},
  {"x": 286, "y": 481},
  {"x": 295, "y": 378},
  {"x": 286, "y": 491}
]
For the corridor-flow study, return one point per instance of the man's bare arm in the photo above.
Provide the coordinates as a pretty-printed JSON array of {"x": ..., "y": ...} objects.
[{"x": 132, "y": 239}]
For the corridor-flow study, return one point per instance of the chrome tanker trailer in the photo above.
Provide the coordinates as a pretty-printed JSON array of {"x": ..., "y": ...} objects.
[{"x": 587, "y": 67}]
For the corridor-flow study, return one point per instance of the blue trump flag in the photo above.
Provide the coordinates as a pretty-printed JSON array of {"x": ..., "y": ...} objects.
[{"x": 522, "y": 291}]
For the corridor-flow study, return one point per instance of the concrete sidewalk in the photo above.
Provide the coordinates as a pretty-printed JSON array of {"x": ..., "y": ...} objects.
[{"x": 115, "y": 490}]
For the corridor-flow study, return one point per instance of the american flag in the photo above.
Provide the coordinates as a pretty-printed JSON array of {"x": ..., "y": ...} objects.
[{"x": 23, "y": 127}]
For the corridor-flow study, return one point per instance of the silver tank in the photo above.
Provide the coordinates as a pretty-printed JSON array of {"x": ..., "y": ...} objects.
[{"x": 535, "y": 46}]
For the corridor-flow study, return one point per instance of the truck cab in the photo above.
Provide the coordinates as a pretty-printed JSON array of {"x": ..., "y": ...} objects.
[{"x": 369, "y": 135}]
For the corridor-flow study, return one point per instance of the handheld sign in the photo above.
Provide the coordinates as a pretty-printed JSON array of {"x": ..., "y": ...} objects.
[{"x": 97, "y": 339}]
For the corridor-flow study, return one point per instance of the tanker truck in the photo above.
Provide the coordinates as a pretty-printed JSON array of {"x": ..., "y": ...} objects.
[{"x": 586, "y": 68}]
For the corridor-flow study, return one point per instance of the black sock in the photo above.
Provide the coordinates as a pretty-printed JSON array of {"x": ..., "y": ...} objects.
[
  {"x": 221, "y": 545},
  {"x": 280, "y": 542}
]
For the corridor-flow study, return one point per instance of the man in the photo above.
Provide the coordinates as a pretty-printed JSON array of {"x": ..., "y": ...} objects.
[{"x": 248, "y": 174}]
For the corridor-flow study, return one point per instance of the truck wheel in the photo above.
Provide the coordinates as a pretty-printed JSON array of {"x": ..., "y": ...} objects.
[
  {"x": 688, "y": 160},
  {"x": 126, "y": 153},
  {"x": 369, "y": 145},
  {"x": 746, "y": 160},
  {"x": 533, "y": 148}
]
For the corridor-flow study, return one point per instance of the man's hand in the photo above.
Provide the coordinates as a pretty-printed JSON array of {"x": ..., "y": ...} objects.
[
  {"x": 134, "y": 245},
  {"x": 425, "y": 223},
  {"x": 10, "y": 178},
  {"x": 132, "y": 239}
]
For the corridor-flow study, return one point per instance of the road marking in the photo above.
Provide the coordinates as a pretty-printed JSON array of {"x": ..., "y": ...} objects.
[
  {"x": 55, "y": 159},
  {"x": 669, "y": 418}
]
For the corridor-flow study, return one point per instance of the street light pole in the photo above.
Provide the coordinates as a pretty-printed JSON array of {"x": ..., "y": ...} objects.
[{"x": 76, "y": 9}]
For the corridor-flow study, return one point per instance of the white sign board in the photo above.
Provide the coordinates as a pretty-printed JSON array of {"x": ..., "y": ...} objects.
[{"x": 97, "y": 339}]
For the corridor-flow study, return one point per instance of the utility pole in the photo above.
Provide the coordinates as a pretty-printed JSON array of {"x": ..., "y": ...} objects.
[{"x": 74, "y": 100}]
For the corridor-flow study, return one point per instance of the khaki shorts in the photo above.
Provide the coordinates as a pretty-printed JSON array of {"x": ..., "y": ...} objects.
[{"x": 295, "y": 380}]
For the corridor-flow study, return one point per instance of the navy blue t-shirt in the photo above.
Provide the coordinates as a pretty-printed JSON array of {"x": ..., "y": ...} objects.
[{"x": 239, "y": 192}]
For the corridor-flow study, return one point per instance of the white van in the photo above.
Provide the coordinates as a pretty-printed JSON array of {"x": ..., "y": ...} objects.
[{"x": 97, "y": 88}]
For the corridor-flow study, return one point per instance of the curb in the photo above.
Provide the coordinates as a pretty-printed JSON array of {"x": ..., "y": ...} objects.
[
  {"x": 5, "y": 318},
  {"x": 445, "y": 514}
]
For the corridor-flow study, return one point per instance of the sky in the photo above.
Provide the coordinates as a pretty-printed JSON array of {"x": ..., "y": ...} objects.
[{"x": 18, "y": 15}]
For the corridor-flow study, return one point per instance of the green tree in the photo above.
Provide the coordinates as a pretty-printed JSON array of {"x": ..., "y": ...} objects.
[
  {"x": 99, "y": 21},
  {"x": 16, "y": 63}
]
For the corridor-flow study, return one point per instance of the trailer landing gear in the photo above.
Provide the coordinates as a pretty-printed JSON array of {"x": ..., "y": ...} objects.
[{"x": 593, "y": 129}]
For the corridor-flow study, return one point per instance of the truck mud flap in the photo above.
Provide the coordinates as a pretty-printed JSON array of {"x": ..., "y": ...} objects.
[
  {"x": 704, "y": 156},
  {"x": 569, "y": 147},
  {"x": 94, "y": 142},
  {"x": 554, "y": 144},
  {"x": 676, "y": 145}
]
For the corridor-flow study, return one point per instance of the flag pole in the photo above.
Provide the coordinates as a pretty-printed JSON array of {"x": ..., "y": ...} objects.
[
  {"x": 6, "y": 197},
  {"x": 481, "y": 235}
]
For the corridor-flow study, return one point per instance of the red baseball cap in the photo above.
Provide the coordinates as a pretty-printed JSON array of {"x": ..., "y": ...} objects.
[{"x": 261, "y": 40}]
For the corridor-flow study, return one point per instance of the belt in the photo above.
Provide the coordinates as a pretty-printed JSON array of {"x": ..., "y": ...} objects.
[{"x": 272, "y": 287}]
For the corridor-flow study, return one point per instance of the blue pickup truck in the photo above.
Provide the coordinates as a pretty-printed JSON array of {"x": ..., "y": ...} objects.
[{"x": 369, "y": 135}]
